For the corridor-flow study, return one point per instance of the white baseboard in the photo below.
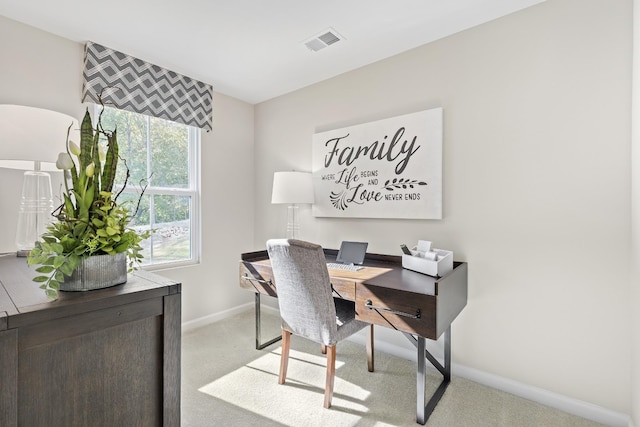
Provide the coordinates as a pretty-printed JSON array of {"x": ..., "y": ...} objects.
[
  {"x": 212, "y": 318},
  {"x": 555, "y": 400},
  {"x": 544, "y": 397},
  {"x": 573, "y": 406}
]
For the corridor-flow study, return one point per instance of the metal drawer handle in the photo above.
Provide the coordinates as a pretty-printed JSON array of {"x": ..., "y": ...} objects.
[
  {"x": 253, "y": 279},
  {"x": 370, "y": 306}
]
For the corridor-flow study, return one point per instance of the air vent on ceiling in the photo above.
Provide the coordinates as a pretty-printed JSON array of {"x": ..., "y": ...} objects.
[{"x": 323, "y": 39}]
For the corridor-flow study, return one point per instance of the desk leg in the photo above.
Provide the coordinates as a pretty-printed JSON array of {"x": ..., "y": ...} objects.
[
  {"x": 420, "y": 382},
  {"x": 424, "y": 410},
  {"x": 259, "y": 345}
]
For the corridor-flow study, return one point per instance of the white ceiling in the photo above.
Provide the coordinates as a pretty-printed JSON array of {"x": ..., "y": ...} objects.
[{"x": 253, "y": 49}]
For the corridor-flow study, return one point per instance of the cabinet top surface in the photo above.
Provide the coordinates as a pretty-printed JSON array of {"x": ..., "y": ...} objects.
[{"x": 20, "y": 295}]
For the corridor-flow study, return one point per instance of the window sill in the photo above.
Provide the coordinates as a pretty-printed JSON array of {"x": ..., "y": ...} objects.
[{"x": 170, "y": 265}]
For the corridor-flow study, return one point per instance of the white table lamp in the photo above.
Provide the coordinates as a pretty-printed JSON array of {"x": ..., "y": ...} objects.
[
  {"x": 30, "y": 140},
  {"x": 292, "y": 188}
]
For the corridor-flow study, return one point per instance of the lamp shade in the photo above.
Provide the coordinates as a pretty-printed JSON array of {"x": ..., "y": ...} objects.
[
  {"x": 29, "y": 134},
  {"x": 292, "y": 188},
  {"x": 30, "y": 139}
]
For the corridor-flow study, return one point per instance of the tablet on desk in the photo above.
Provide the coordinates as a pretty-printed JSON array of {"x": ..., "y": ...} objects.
[{"x": 350, "y": 256}]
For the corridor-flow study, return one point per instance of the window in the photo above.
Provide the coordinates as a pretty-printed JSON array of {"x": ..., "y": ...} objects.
[{"x": 161, "y": 155}]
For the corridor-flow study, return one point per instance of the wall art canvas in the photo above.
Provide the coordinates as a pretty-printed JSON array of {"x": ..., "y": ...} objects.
[{"x": 390, "y": 168}]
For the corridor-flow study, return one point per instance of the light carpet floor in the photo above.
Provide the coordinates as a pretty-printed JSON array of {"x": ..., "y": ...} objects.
[{"x": 227, "y": 382}]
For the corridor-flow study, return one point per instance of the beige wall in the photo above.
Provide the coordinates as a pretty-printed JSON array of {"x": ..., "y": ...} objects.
[
  {"x": 227, "y": 213},
  {"x": 536, "y": 185},
  {"x": 635, "y": 199},
  {"x": 42, "y": 70}
]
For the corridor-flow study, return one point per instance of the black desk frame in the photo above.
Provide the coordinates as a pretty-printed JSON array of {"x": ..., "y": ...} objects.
[
  {"x": 259, "y": 344},
  {"x": 425, "y": 409}
]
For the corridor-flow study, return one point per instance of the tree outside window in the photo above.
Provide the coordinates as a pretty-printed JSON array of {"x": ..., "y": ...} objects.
[{"x": 162, "y": 158}]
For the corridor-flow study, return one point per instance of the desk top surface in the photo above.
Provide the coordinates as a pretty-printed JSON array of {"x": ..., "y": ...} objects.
[{"x": 379, "y": 270}]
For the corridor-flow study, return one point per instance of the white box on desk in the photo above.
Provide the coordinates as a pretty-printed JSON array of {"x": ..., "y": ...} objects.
[{"x": 431, "y": 267}]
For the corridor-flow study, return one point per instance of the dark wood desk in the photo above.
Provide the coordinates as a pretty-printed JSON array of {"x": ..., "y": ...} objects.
[
  {"x": 109, "y": 357},
  {"x": 388, "y": 295}
]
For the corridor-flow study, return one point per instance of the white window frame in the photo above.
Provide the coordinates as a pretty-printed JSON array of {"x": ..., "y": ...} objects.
[{"x": 193, "y": 191}]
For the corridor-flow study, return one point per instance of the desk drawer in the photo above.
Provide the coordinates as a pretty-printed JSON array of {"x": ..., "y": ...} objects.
[
  {"x": 257, "y": 277},
  {"x": 404, "y": 311},
  {"x": 344, "y": 288}
]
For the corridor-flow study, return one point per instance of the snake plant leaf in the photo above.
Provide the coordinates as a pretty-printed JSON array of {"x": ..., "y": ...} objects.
[
  {"x": 97, "y": 163},
  {"x": 86, "y": 142},
  {"x": 110, "y": 162}
]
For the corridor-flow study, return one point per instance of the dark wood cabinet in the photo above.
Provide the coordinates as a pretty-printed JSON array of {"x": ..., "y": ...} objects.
[{"x": 108, "y": 357}]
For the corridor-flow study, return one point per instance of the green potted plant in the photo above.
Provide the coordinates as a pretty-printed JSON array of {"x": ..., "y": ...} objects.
[{"x": 90, "y": 222}]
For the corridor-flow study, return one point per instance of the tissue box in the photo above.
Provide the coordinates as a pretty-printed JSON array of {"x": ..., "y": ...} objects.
[{"x": 442, "y": 266}]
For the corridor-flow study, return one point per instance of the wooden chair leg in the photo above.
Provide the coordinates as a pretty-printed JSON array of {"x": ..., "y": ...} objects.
[
  {"x": 324, "y": 349},
  {"x": 331, "y": 374},
  {"x": 370, "y": 356},
  {"x": 284, "y": 358}
]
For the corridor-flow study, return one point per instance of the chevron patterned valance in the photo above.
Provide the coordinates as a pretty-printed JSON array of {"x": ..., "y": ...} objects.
[{"x": 145, "y": 88}]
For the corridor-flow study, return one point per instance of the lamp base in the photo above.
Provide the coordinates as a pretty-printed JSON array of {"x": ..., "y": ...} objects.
[
  {"x": 293, "y": 229},
  {"x": 34, "y": 215}
]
